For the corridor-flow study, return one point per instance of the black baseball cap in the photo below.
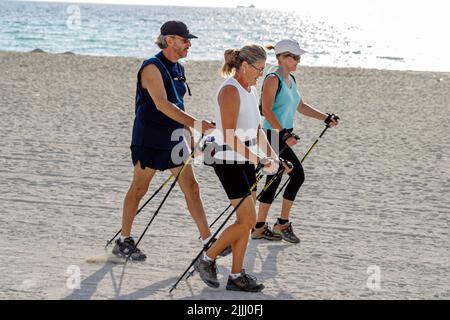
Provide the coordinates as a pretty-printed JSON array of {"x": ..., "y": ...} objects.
[{"x": 178, "y": 28}]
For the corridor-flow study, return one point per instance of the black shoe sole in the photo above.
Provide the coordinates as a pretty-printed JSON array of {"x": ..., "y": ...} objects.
[
  {"x": 236, "y": 288},
  {"x": 122, "y": 256},
  {"x": 294, "y": 242},
  {"x": 211, "y": 284},
  {"x": 278, "y": 239}
]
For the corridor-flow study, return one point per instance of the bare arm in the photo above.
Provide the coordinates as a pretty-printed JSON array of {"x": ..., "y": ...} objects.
[
  {"x": 151, "y": 80},
  {"x": 191, "y": 136},
  {"x": 309, "y": 111},
  {"x": 268, "y": 98},
  {"x": 229, "y": 103}
]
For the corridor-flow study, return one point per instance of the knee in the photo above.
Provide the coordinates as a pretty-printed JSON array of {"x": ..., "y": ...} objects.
[
  {"x": 300, "y": 179},
  {"x": 138, "y": 191},
  {"x": 249, "y": 222},
  {"x": 297, "y": 176},
  {"x": 192, "y": 188}
]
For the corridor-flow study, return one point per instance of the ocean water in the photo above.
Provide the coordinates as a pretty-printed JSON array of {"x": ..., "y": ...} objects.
[{"x": 113, "y": 30}]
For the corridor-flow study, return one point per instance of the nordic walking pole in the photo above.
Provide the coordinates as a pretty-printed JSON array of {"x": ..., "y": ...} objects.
[
  {"x": 142, "y": 207},
  {"x": 191, "y": 273},
  {"x": 258, "y": 178},
  {"x": 229, "y": 206},
  {"x": 191, "y": 155},
  {"x": 335, "y": 117}
]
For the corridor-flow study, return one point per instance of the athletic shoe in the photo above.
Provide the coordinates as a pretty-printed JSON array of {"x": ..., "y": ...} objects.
[
  {"x": 207, "y": 271},
  {"x": 244, "y": 282},
  {"x": 265, "y": 233},
  {"x": 123, "y": 249},
  {"x": 286, "y": 232}
]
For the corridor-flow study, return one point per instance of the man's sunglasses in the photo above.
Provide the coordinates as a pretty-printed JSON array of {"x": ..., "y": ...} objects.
[{"x": 184, "y": 40}]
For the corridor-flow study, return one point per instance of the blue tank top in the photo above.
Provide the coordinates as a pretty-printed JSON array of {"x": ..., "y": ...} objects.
[
  {"x": 152, "y": 128},
  {"x": 285, "y": 104}
]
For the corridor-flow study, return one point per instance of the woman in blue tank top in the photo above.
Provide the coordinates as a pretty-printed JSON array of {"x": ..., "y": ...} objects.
[{"x": 280, "y": 102}]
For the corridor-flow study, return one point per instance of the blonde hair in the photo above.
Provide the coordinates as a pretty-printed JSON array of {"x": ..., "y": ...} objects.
[{"x": 233, "y": 58}]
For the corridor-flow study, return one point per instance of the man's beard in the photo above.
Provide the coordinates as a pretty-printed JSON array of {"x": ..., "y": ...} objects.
[{"x": 180, "y": 51}]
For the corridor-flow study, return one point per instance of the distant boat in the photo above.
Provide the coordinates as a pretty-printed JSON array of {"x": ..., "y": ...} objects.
[{"x": 250, "y": 6}]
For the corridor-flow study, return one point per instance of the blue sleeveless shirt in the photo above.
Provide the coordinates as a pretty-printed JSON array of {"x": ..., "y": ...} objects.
[
  {"x": 152, "y": 128},
  {"x": 285, "y": 104}
]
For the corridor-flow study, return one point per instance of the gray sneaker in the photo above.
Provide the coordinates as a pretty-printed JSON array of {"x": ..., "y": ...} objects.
[
  {"x": 207, "y": 271},
  {"x": 244, "y": 282},
  {"x": 286, "y": 232},
  {"x": 123, "y": 249},
  {"x": 265, "y": 233}
]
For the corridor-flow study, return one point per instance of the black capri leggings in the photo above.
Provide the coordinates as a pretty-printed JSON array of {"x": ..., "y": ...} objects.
[{"x": 297, "y": 175}]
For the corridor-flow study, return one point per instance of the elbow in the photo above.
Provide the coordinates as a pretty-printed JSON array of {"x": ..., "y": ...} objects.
[
  {"x": 266, "y": 108},
  {"x": 159, "y": 104},
  {"x": 301, "y": 108},
  {"x": 266, "y": 111}
]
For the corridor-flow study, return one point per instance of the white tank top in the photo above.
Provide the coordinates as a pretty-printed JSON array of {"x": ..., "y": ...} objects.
[{"x": 247, "y": 124}]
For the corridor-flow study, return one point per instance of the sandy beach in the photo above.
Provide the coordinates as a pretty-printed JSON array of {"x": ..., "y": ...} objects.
[{"x": 374, "y": 205}]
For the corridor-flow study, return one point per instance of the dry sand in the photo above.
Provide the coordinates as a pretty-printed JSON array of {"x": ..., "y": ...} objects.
[{"x": 376, "y": 195}]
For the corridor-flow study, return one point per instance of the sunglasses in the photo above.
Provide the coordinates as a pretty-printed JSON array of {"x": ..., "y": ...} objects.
[
  {"x": 293, "y": 56},
  {"x": 184, "y": 40},
  {"x": 257, "y": 69}
]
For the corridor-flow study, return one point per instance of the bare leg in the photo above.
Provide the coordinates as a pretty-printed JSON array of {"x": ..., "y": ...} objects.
[
  {"x": 137, "y": 190},
  {"x": 286, "y": 209},
  {"x": 263, "y": 211},
  {"x": 237, "y": 234},
  {"x": 191, "y": 190}
]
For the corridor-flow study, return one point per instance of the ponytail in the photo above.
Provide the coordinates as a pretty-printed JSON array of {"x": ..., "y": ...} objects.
[
  {"x": 234, "y": 57},
  {"x": 231, "y": 57}
]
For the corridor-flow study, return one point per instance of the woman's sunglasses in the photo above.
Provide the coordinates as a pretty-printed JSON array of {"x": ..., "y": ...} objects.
[{"x": 293, "y": 56}]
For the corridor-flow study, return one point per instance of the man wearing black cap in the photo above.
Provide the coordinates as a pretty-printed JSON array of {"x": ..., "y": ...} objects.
[
  {"x": 159, "y": 113},
  {"x": 175, "y": 30}
]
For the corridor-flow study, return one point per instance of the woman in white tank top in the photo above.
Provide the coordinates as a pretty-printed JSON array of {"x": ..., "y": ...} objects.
[
  {"x": 238, "y": 130},
  {"x": 247, "y": 122}
]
